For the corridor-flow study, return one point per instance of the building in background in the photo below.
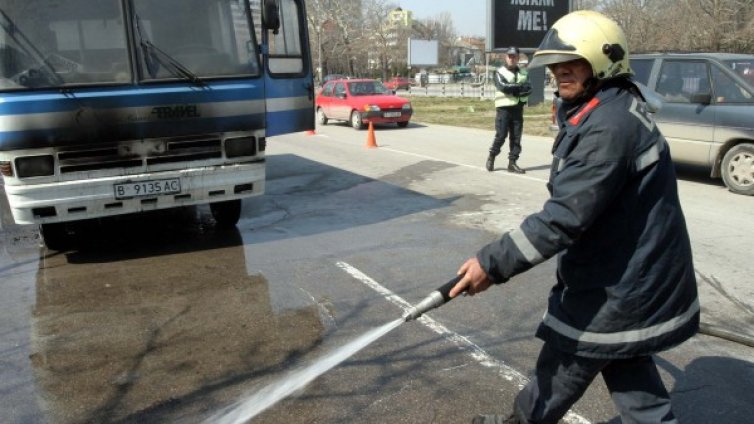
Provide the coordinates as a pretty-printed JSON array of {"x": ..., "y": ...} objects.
[{"x": 400, "y": 18}]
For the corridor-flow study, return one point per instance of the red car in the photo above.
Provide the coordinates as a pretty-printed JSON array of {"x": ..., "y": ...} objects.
[
  {"x": 398, "y": 83},
  {"x": 361, "y": 101}
]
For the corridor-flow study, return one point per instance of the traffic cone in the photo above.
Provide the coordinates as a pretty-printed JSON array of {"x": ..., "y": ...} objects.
[{"x": 371, "y": 142}]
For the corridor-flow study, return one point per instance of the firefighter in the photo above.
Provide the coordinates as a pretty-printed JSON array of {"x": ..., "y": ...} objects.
[{"x": 625, "y": 286}]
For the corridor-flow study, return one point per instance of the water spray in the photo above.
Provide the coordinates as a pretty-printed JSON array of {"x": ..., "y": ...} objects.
[{"x": 244, "y": 410}]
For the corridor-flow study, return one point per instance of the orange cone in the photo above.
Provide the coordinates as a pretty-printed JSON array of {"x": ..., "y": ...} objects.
[{"x": 371, "y": 142}]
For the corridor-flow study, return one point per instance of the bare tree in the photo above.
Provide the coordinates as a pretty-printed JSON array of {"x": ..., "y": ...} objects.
[
  {"x": 383, "y": 35},
  {"x": 438, "y": 28},
  {"x": 688, "y": 25},
  {"x": 334, "y": 25}
]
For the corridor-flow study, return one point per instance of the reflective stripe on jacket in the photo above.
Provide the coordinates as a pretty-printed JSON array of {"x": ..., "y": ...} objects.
[
  {"x": 625, "y": 277},
  {"x": 520, "y": 77}
]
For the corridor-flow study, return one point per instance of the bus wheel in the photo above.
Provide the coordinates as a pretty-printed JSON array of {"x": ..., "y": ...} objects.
[
  {"x": 55, "y": 236},
  {"x": 226, "y": 213}
]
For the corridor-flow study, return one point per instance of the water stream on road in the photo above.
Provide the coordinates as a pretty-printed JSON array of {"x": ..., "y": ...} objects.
[{"x": 244, "y": 410}]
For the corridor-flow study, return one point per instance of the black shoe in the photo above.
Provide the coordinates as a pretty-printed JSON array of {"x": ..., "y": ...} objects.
[
  {"x": 512, "y": 167},
  {"x": 491, "y": 163},
  {"x": 495, "y": 419}
]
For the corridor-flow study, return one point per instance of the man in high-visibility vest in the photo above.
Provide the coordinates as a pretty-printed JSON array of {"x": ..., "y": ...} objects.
[{"x": 512, "y": 93}]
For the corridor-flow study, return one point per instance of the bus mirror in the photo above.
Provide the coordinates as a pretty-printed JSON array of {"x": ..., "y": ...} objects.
[{"x": 271, "y": 15}]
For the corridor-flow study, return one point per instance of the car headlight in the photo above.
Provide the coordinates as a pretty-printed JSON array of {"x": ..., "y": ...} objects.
[
  {"x": 35, "y": 166},
  {"x": 371, "y": 108},
  {"x": 406, "y": 106}
]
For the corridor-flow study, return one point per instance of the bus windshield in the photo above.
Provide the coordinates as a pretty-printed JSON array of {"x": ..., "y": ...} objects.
[{"x": 55, "y": 43}]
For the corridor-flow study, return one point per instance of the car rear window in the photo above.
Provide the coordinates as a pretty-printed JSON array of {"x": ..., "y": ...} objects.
[{"x": 642, "y": 68}]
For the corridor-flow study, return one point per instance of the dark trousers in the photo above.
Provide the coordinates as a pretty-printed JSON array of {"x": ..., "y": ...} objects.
[
  {"x": 561, "y": 379},
  {"x": 509, "y": 121}
]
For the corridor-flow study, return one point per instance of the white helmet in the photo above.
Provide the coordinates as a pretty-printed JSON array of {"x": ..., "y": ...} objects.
[{"x": 589, "y": 35}]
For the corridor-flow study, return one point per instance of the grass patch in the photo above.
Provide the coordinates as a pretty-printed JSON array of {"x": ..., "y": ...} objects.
[{"x": 475, "y": 113}]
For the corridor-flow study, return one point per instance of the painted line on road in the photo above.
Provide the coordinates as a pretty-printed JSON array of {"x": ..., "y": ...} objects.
[
  {"x": 479, "y": 168},
  {"x": 477, "y": 353},
  {"x": 506, "y": 174}
]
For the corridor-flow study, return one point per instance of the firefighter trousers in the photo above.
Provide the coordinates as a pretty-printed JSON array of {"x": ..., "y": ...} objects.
[{"x": 562, "y": 378}]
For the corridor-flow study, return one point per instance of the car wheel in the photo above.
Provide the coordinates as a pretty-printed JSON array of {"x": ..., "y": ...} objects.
[
  {"x": 226, "y": 213},
  {"x": 55, "y": 236},
  {"x": 737, "y": 169},
  {"x": 403, "y": 124},
  {"x": 321, "y": 118},
  {"x": 356, "y": 121}
]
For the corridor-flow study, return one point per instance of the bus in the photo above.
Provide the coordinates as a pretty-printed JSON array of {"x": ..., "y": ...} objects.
[{"x": 112, "y": 107}]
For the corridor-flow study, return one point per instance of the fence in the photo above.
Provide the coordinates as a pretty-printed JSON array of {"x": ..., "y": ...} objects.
[
  {"x": 478, "y": 90},
  {"x": 481, "y": 91}
]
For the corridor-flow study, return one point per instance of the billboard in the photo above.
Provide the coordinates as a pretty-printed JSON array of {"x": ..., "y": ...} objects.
[
  {"x": 422, "y": 52},
  {"x": 521, "y": 23}
]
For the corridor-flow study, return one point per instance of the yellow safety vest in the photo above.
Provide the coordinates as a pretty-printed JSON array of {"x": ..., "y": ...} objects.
[{"x": 504, "y": 100}]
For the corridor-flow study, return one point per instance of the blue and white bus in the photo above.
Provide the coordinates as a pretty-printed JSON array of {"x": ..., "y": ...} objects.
[{"x": 110, "y": 107}]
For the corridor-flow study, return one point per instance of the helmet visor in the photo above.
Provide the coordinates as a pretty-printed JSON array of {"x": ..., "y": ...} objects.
[
  {"x": 549, "y": 58},
  {"x": 553, "y": 49}
]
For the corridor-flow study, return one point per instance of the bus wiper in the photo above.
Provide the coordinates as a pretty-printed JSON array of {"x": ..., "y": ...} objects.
[
  {"x": 174, "y": 66},
  {"x": 150, "y": 51}
]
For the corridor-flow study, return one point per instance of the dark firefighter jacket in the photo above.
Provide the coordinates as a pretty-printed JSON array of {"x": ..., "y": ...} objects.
[{"x": 625, "y": 278}]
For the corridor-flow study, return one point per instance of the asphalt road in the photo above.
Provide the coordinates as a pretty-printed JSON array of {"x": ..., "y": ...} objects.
[{"x": 164, "y": 318}]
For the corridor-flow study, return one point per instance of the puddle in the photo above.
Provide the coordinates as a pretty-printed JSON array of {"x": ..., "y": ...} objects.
[{"x": 157, "y": 337}]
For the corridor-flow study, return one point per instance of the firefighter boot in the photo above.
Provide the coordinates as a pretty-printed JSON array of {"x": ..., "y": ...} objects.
[
  {"x": 512, "y": 167},
  {"x": 491, "y": 163}
]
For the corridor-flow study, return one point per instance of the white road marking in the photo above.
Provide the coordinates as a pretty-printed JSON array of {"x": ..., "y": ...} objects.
[
  {"x": 476, "y": 352},
  {"x": 505, "y": 173},
  {"x": 419, "y": 155}
]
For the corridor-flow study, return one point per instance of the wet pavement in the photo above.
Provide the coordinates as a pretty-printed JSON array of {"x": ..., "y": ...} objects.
[
  {"x": 162, "y": 317},
  {"x": 150, "y": 315}
]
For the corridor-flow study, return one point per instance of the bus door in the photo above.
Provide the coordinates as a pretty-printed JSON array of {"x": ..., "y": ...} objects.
[{"x": 288, "y": 78}]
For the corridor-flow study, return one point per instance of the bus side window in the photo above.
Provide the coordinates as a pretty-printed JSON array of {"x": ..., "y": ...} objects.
[{"x": 285, "y": 50}]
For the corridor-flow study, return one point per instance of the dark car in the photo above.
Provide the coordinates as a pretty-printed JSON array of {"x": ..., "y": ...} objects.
[
  {"x": 707, "y": 112},
  {"x": 703, "y": 104},
  {"x": 361, "y": 101}
]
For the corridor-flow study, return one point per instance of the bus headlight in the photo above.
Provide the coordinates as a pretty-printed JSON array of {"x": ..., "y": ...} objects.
[
  {"x": 35, "y": 166},
  {"x": 242, "y": 146}
]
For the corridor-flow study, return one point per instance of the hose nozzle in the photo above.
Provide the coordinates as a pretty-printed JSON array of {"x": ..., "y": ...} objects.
[{"x": 435, "y": 299}]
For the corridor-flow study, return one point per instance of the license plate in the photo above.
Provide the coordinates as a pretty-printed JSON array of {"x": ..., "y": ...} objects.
[
  {"x": 147, "y": 188},
  {"x": 392, "y": 115}
]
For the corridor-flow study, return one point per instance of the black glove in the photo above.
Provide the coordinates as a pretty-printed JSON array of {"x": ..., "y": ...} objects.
[
  {"x": 525, "y": 90},
  {"x": 512, "y": 89}
]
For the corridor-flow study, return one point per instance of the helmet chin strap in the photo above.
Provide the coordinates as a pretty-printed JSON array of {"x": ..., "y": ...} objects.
[{"x": 591, "y": 85}]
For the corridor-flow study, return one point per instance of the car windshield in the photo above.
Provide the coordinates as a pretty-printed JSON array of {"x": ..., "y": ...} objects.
[
  {"x": 367, "y": 88},
  {"x": 744, "y": 69}
]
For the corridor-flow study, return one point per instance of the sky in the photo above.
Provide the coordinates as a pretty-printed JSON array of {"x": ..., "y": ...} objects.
[{"x": 469, "y": 16}]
